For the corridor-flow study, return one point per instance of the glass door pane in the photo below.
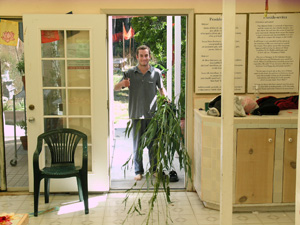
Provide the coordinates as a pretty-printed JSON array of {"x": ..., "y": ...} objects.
[{"x": 66, "y": 81}]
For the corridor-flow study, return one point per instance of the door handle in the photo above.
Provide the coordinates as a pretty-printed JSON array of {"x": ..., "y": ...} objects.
[
  {"x": 31, "y": 119},
  {"x": 31, "y": 107}
]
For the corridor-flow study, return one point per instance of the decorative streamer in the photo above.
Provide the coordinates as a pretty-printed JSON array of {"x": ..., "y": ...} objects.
[
  {"x": 266, "y": 8},
  {"x": 9, "y": 32}
]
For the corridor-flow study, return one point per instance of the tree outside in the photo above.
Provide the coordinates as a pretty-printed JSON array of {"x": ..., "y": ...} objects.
[{"x": 12, "y": 84}]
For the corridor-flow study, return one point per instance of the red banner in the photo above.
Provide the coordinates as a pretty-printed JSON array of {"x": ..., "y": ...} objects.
[
  {"x": 49, "y": 36},
  {"x": 129, "y": 34}
]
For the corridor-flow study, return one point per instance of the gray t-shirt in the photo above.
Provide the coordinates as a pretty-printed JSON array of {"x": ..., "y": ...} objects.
[{"x": 143, "y": 92}]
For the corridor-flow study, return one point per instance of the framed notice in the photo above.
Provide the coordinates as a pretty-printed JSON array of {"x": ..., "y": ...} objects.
[
  {"x": 273, "y": 58},
  {"x": 209, "y": 54}
]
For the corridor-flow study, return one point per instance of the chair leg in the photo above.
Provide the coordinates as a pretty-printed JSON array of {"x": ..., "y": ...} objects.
[
  {"x": 47, "y": 187},
  {"x": 79, "y": 185},
  {"x": 36, "y": 191},
  {"x": 84, "y": 187}
]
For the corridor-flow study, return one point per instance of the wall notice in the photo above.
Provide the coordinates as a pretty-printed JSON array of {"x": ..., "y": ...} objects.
[
  {"x": 273, "y": 64},
  {"x": 209, "y": 54}
]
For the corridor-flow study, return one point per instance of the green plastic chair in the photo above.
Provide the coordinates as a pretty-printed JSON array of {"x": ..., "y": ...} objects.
[{"x": 62, "y": 144}]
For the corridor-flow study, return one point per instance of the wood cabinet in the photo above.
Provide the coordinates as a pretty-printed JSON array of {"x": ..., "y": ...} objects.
[
  {"x": 254, "y": 165},
  {"x": 289, "y": 165},
  {"x": 264, "y": 156}
]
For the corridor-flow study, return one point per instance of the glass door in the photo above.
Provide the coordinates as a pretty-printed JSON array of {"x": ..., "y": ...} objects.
[{"x": 66, "y": 86}]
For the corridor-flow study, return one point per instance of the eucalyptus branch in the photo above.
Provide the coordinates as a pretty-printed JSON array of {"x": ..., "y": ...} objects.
[{"x": 164, "y": 132}]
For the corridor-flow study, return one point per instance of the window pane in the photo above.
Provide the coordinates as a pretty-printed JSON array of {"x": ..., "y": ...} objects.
[
  {"x": 79, "y": 102},
  {"x": 83, "y": 125},
  {"x": 78, "y": 156},
  {"x": 54, "y": 101},
  {"x": 79, "y": 73},
  {"x": 54, "y": 123},
  {"x": 52, "y": 44},
  {"x": 53, "y": 73},
  {"x": 78, "y": 44}
]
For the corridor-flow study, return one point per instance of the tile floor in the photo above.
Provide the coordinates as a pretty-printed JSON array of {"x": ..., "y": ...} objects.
[
  {"x": 108, "y": 209},
  {"x": 17, "y": 175}
]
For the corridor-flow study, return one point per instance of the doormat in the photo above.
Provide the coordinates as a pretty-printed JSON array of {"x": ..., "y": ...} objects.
[{"x": 42, "y": 212}]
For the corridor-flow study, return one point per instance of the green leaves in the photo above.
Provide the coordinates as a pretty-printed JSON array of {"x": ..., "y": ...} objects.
[
  {"x": 165, "y": 132},
  {"x": 151, "y": 30},
  {"x": 128, "y": 128}
]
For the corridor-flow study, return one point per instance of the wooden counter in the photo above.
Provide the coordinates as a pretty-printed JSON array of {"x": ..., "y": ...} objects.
[{"x": 264, "y": 158}]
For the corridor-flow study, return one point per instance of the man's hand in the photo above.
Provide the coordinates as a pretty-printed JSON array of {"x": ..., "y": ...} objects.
[
  {"x": 126, "y": 82},
  {"x": 122, "y": 84}
]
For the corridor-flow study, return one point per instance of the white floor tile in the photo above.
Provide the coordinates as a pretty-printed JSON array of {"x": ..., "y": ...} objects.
[
  {"x": 111, "y": 220},
  {"x": 56, "y": 221},
  {"x": 276, "y": 217},
  {"x": 35, "y": 220},
  {"x": 207, "y": 219},
  {"x": 291, "y": 215},
  {"x": 181, "y": 210},
  {"x": 245, "y": 218},
  {"x": 87, "y": 220}
]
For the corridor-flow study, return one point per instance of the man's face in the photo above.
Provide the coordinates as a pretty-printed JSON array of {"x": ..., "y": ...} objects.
[{"x": 143, "y": 57}]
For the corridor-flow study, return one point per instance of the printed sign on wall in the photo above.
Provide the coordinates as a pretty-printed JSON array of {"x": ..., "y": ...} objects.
[
  {"x": 273, "y": 59},
  {"x": 209, "y": 54}
]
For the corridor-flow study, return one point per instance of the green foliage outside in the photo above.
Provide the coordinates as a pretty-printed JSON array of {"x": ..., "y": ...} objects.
[
  {"x": 22, "y": 124},
  {"x": 6, "y": 106},
  {"x": 152, "y": 31},
  {"x": 21, "y": 65},
  {"x": 20, "y": 106},
  {"x": 10, "y": 56}
]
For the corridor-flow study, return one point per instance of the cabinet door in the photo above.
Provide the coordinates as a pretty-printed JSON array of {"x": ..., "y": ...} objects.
[
  {"x": 289, "y": 165},
  {"x": 254, "y": 165}
]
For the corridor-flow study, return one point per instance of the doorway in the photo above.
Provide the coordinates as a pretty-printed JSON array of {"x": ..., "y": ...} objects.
[
  {"x": 123, "y": 41},
  {"x": 15, "y": 173}
]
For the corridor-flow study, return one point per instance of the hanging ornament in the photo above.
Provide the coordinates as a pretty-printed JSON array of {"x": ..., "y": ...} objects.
[{"x": 266, "y": 8}]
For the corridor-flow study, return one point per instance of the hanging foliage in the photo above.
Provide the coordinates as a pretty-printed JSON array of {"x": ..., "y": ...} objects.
[{"x": 165, "y": 132}]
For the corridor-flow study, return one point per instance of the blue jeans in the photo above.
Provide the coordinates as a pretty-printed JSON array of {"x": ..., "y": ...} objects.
[{"x": 137, "y": 155}]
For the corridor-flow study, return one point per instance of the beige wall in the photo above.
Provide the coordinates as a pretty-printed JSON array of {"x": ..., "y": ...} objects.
[{"x": 17, "y": 7}]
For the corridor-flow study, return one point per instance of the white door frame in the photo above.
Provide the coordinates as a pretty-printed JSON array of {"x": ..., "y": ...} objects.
[{"x": 189, "y": 62}]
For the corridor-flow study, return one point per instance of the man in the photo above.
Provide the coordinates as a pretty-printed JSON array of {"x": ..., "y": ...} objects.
[{"x": 143, "y": 81}]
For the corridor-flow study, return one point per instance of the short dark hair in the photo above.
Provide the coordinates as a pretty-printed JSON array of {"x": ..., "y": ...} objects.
[{"x": 143, "y": 47}]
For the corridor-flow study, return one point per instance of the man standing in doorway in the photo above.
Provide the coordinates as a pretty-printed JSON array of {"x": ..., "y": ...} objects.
[{"x": 143, "y": 81}]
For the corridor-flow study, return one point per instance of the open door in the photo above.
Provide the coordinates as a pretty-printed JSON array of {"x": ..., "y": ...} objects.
[{"x": 66, "y": 86}]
